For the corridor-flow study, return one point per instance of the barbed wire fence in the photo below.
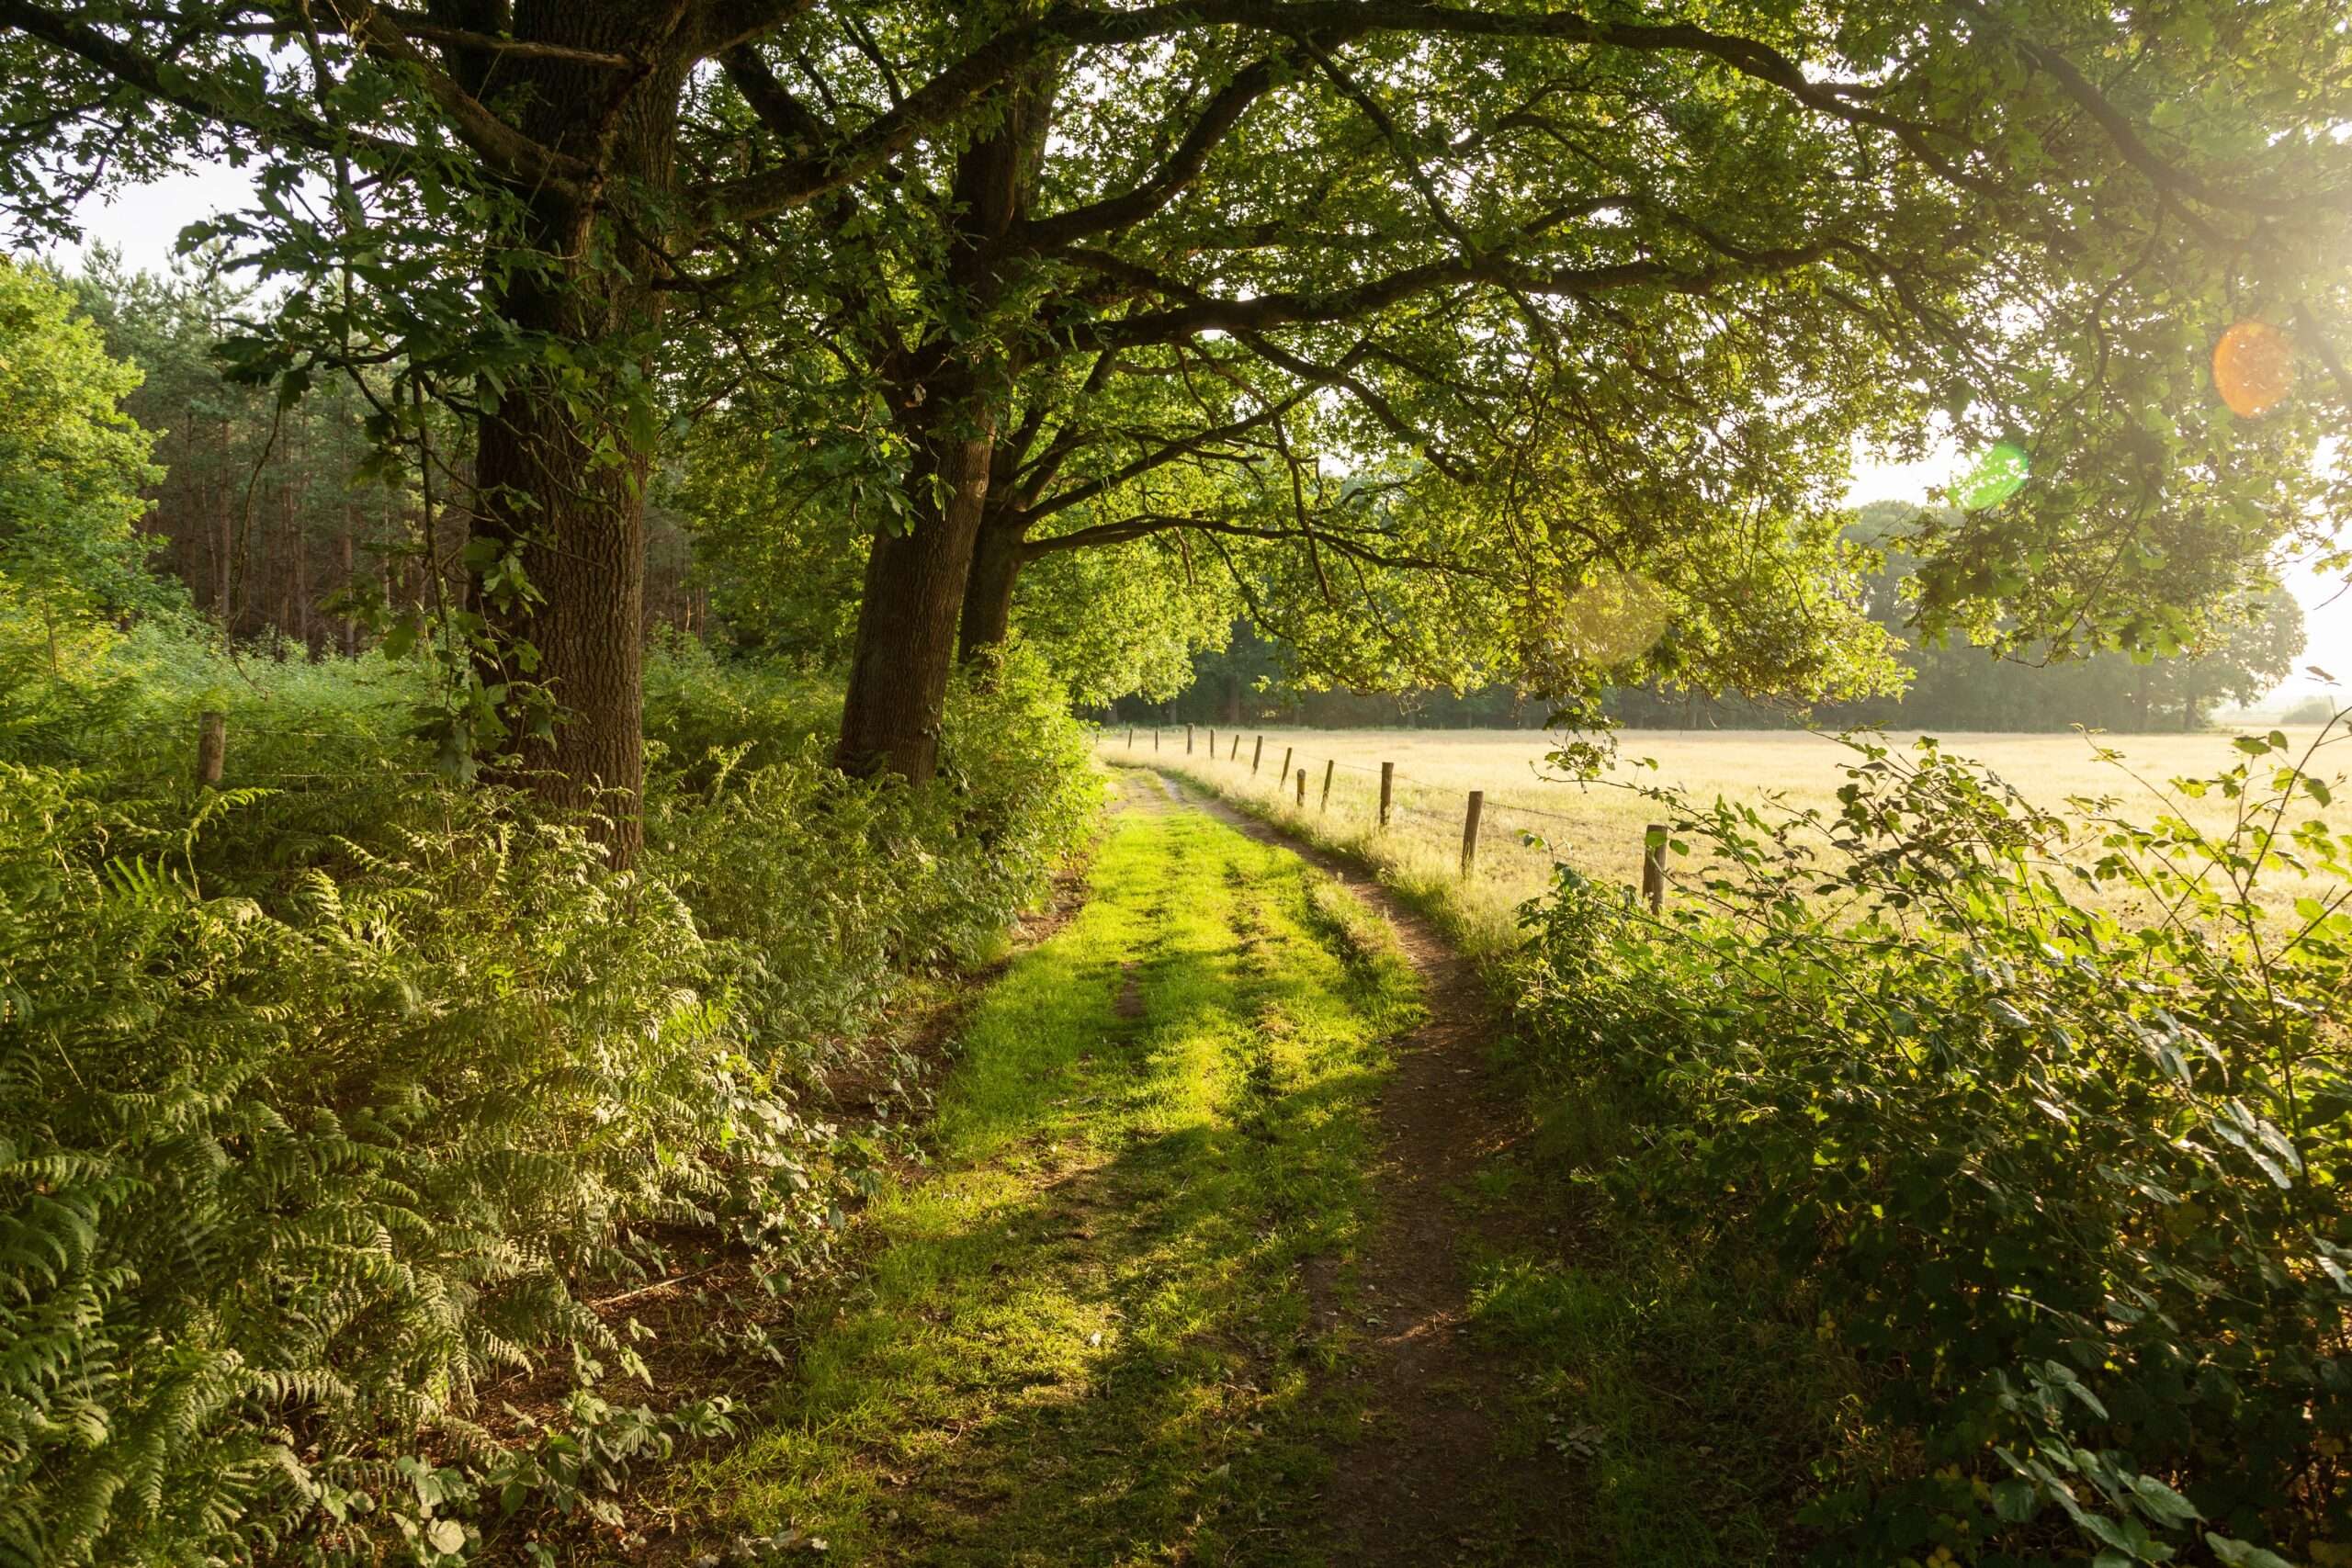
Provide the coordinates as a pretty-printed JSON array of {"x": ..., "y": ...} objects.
[{"x": 1490, "y": 844}]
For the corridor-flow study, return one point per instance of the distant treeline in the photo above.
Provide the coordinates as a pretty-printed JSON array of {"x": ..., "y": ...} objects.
[
  {"x": 273, "y": 519},
  {"x": 1958, "y": 686}
]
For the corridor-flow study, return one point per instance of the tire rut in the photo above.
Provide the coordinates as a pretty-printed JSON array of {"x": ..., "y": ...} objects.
[{"x": 1414, "y": 1488}]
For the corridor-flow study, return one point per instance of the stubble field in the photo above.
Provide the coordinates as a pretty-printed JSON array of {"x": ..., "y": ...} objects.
[{"x": 1533, "y": 816}]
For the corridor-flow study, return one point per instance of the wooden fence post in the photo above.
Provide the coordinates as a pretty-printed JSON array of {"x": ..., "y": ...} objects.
[
  {"x": 1233, "y": 752},
  {"x": 1654, "y": 866},
  {"x": 1329, "y": 764},
  {"x": 1212, "y": 742},
  {"x": 1188, "y": 740},
  {"x": 1388, "y": 778},
  {"x": 1286, "y": 772},
  {"x": 1131, "y": 738},
  {"x": 1302, "y": 789},
  {"x": 1155, "y": 741},
  {"x": 211, "y": 747},
  {"x": 1470, "y": 829},
  {"x": 1256, "y": 755}
]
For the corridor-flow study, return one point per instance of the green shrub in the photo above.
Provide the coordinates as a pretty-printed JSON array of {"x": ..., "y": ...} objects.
[
  {"x": 329, "y": 1098},
  {"x": 2066, "y": 1185},
  {"x": 823, "y": 890},
  {"x": 701, "y": 711},
  {"x": 280, "y": 1179}
]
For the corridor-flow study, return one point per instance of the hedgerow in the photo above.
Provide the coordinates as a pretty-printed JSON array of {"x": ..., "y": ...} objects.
[
  {"x": 2045, "y": 1127},
  {"x": 332, "y": 1098}
]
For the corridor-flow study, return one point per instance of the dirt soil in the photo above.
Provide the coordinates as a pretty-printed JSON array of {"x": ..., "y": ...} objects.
[{"x": 1416, "y": 1489}]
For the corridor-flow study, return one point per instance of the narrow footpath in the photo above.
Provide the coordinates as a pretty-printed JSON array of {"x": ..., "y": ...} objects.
[
  {"x": 1433, "y": 1477},
  {"x": 1187, "y": 1279}
]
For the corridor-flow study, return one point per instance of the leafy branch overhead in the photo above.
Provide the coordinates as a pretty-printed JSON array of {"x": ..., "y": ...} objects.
[
  {"x": 1648, "y": 289},
  {"x": 1397, "y": 325}
]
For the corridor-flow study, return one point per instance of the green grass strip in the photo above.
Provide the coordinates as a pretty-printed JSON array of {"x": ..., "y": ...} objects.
[{"x": 1084, "y": 1336}]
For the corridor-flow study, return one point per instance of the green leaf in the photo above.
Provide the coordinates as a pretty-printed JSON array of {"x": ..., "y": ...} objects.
[
  {"x": 2015, "y": 1502},
  {"x": 2163, "y": 1504},
  {"x": 401, "y": 636},
  {"x": 2242, "y": 1554}
]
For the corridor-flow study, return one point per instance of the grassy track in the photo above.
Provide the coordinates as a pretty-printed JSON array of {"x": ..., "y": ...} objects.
[
  {"x": 1085, "y": 1336},
  {"x": 1666, "y": 1402}
]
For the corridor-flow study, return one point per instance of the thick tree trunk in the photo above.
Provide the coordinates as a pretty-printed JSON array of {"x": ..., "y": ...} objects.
[
  {"x": 581, "y": 530},
  {"x": 946, "y": 397},
  {"x": 987, "y": 595},
  {"x": 577, "y": 519},
  {"x": 905, "y": 650}
]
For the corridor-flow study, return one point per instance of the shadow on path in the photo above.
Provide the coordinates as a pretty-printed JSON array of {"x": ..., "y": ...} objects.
[{"x": 1427, "y": 1481}]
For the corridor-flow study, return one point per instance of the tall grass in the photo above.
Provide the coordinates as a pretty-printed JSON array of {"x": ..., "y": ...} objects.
[{"x": 1538, "y": 814}]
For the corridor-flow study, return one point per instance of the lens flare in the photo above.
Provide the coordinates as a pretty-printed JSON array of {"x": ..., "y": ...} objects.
[
  {"x": 1613, "y": 619},
  {"x": 1999, "y": 475},
  {"x": 2253, "y": 368}
]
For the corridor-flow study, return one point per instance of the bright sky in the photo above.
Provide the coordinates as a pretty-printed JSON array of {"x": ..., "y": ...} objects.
[
  {"x": 144, "y": 224},
  {"x": 2327, "y": 605}
]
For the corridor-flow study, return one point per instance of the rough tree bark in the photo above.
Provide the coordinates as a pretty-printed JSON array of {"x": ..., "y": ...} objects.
[
  {"x": 906, "y": 626},
  {"x": 946, "y": 398},
  {"x": 576, "y": 518},
  {"x": 997, "y": 558},
  {"x": 581, "y": 533}
]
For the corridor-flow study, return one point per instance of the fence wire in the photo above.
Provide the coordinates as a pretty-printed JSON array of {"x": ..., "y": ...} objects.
[{"x": 1516, "y": 847}]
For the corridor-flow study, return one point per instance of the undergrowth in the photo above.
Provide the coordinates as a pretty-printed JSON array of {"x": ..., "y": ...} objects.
[
  {"x": 334, "y": 1100},
  {"x": 2059, "y": 1185}
]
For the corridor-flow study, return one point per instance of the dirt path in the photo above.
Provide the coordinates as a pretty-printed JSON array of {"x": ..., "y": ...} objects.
[
  {"x": 1184, "y": 1278},
  {"x": 1420, "y": 1487}
]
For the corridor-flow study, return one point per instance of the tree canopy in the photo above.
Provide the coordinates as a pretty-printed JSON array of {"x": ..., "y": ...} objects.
[
  {"x": 1417, "y": 331},
  {"x": 70, "y": 461}
]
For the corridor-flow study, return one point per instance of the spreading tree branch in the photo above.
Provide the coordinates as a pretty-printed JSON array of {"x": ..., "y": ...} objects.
[
  {"x": 1144, "y": 524},
  {"x": 1181, "y": 169}
]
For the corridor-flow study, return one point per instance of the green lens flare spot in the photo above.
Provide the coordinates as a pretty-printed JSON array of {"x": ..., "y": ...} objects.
[{"x": 1999, "y": 475}]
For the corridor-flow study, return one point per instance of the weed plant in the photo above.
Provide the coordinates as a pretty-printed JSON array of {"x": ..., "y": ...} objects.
[
  {"x": 2062, "y": 1189},
  {"x": 334, "y": 1098}
]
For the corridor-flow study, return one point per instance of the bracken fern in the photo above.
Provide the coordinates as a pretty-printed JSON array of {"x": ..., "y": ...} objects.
[{"x": 324, "y": 1109}]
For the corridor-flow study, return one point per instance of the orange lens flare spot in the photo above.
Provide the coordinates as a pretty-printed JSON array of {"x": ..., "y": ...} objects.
[{"x": 2253, "y": 368}]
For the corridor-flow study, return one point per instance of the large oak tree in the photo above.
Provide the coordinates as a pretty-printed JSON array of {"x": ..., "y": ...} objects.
[
  {"x": 490, "y": 197},
  {"x": 1562, "y": 294},
  {"x": 1421, "y": 324}
]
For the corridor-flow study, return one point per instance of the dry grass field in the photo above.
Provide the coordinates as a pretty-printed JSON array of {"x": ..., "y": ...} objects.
[{"x": 1596, "y": 827}]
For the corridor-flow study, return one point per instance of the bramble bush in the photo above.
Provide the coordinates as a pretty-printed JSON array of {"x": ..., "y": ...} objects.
[
  {"x": 332, "y": 1097},
  {"x": 2048, "y": 1121}
]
